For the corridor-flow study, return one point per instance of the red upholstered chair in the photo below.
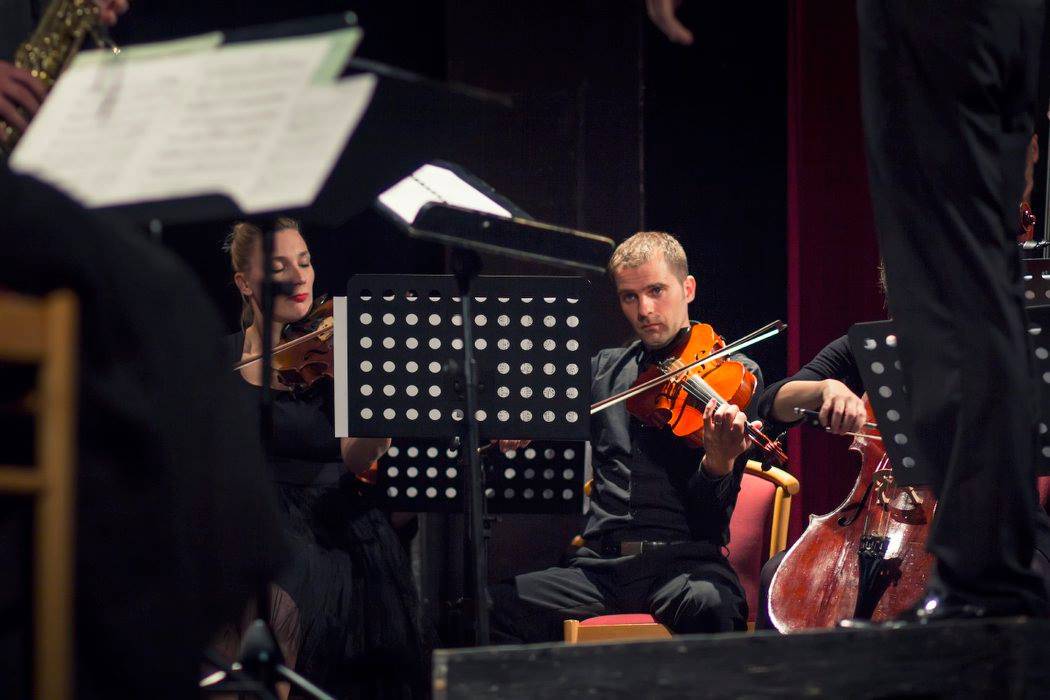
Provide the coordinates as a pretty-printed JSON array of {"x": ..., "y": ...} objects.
[
  {"x": 759, "y": 526},
  {"x": 757, "y": 531}
]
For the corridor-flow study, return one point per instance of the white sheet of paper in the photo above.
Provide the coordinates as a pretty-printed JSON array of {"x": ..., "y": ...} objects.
[
  {"x": 256, "y": 121},
  {"x": 433, "y": 184}
]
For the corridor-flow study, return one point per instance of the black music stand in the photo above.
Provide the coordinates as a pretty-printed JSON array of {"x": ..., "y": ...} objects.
[
  {"x": 532, "y": 352},
  {"x": 467, "y": 233},
  {"x": 524, "y": 369},
  {"x": 426, "y": 476}
]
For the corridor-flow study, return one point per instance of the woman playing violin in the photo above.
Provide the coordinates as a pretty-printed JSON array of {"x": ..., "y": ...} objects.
[
  {"x": 345, "y": 606},
  {"x": 660, "y": 505}
]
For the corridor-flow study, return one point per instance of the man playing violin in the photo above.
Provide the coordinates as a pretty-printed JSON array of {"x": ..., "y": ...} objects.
[{"x": 660, "y": 507}]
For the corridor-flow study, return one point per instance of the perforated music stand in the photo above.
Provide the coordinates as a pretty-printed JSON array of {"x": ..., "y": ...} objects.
[
  {"x": 424, "y": 363},
  {"x": 466, "y": 233},
  {"x": 426, "y": 475},
  {"x": 874, "y": 347},
  {"x": 404, "y": 373}
]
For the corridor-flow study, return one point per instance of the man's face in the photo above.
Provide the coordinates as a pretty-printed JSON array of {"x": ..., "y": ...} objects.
[{"x": 654, "y": 300}]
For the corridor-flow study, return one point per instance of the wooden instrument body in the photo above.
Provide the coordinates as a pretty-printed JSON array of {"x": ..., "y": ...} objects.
[
  {"x": 820, "y": 579},
  {"x": 669, "y": 404}
]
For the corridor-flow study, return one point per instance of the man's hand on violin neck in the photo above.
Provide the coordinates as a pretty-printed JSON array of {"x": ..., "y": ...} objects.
[{"x": 725, "y": 438}]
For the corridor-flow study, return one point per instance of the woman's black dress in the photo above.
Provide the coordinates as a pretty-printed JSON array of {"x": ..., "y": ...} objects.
[{"x": 358, "y": 630}]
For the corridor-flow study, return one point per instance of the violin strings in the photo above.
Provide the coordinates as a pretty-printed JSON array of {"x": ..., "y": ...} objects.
[
  {"x": 705, "y": 392},
  {"x": 702, "y": 390}
]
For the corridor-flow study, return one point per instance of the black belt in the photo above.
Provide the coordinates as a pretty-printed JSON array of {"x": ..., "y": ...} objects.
[{"x": 627, "y": 548}]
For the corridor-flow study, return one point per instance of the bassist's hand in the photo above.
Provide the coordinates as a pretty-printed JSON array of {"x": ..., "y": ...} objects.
[{"x": 841, "y": 411}]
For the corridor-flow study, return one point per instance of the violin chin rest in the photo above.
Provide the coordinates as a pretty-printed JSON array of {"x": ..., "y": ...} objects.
[{"x": 660, "y": 417}]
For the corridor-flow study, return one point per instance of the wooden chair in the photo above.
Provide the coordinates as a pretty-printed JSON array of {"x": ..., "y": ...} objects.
[
  {"x": 757, "y": 531},
  {"x": 43, "y": 333}
]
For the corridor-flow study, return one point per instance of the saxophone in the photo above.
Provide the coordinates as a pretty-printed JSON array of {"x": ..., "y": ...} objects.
[{"x": 54, "y": 43}]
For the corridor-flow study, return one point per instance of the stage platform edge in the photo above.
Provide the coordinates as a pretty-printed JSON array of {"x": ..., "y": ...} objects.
[{"x": 980, "y": 658}]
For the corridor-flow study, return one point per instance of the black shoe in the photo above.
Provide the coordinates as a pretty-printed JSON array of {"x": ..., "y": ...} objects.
[
  {"x": 935, "y": 608},
  {"x": 930, "y": 609}
]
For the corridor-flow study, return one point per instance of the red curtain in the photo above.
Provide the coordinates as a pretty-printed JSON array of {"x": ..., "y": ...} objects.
[{"x": 832, "y": 252}]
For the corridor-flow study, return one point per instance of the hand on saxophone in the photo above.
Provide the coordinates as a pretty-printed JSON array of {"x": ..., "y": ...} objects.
[
  {"x": 110, "y": 10},
  {"x": 19, "y": 91}
]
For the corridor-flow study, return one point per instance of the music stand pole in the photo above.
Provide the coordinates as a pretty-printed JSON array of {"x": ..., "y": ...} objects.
[
  {"x": 465, "y": 266},
  {"x": 265, "y": 390}
]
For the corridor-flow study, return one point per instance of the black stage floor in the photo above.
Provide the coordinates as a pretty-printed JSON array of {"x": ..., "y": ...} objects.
[{"x": 1006, "y": 658}]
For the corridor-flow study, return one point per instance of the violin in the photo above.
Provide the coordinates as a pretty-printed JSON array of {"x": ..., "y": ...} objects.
[
  {"x": 867, "y": 559},
  {"x": 305, "y": 355},
  {"x": 673, "y": 391}
]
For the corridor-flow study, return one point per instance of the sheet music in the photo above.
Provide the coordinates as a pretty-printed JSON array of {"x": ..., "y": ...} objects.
[
  {"x": 261, "y": 122},
  {"x": 433, "y": 184}
]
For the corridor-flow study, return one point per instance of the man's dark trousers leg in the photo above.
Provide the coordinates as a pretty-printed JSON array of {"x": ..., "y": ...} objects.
[
  {"x": 690, "y": 588},
  {"x": 948, "y": 92}
]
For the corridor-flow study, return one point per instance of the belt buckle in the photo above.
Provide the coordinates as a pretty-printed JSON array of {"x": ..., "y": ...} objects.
[
  {"x": 634, "y": 547},
  {"x": 630, "y": 548}
]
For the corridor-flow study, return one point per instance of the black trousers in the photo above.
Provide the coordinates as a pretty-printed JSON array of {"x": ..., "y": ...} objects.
[
  {"x": 948, "y": 92},
  {"x": 690, "y": 589}
]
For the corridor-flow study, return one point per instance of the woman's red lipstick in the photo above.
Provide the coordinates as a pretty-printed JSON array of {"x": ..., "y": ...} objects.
[{"x": 299, "y": 298}]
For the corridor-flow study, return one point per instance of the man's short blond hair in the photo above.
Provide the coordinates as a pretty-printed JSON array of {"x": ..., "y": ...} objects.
[{"x": 642, "y": 246}]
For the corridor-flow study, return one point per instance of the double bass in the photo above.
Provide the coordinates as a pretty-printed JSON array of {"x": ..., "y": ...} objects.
[{"x": 867, "y": 559}]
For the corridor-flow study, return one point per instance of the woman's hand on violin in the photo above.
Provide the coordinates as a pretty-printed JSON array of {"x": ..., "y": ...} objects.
[
  {"x": 841, "y": 411},
  {"x": 360, "y": 453},
  {"x": 725, "y": 438},
  {"x": 508, "y": 445}
]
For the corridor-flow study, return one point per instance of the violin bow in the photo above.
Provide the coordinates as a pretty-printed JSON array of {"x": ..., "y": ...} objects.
[
  {"x": 767, "y": 331},
  {"x": 283, "y": 346}
]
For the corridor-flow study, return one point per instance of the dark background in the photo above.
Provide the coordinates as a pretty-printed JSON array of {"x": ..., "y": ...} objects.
[{"x": 613, "y": 130}]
